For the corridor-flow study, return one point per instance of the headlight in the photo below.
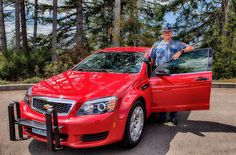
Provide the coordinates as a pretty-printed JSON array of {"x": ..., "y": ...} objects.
[
  {"x": 28, "y": 95},
  {"x": 98, "y": 106}
]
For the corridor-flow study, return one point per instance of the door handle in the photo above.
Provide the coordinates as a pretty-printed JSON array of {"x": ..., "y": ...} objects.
[
  {"x": 202, "y": 79},
  {"x": 145, "y": 86}
]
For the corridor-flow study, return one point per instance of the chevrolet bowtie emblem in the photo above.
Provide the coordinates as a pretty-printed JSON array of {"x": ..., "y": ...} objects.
[{"x": 47, "y": 106}]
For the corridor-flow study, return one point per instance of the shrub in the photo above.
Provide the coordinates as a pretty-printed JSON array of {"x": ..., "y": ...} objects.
[
  {"x": 15, "y": 66},
  {"x": 32, "y": 80},
  {"x": 63, "y": 63},
  {"x": 4, "y": 82}
]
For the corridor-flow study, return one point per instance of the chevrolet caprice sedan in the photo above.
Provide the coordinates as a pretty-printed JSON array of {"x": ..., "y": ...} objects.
[{"x": 108, "y": 96}]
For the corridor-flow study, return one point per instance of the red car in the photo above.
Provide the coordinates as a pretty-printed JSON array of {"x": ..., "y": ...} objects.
[{"x": 107, "y": 97}]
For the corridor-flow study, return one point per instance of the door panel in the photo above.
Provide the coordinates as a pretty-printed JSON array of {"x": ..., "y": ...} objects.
[{"x": 187, "y": 88}]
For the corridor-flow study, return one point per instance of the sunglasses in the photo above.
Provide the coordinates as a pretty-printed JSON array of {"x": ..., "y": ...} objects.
[{"x": 167, "y": 32}]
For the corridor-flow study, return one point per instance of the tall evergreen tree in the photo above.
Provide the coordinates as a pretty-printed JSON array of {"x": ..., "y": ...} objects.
[
  {"x": 2, "y": 28},
  {"x": 116, "y": 23},
  {"x": 80, "y": 44},
  {"x": 35, "y": 23},
  {"x": 23, "y": 26},
  {"x": 17, "y": 25},
  {"x": 54, "y": 32}
]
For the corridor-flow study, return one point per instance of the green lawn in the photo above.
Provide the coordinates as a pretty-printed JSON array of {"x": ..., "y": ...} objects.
[
  {"x": 26, "y": 81},
  {"x": 233, "y": 80}
]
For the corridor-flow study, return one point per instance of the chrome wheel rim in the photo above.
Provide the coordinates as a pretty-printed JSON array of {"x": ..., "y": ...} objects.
[{"x": 136, "y": 123}]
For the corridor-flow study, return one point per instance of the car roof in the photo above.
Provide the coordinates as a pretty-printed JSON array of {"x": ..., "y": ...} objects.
[{"x": 125, "y": 49}]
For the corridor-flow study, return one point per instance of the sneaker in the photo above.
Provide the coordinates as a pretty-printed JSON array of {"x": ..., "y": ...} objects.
[{"x": 174, "y": 121}]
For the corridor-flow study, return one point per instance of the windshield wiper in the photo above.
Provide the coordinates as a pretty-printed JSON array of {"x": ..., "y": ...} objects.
[
  {"x": 99, "y": 70},
  {"x": 90, "y": 69},
  {"x": 79, "y": 69}
]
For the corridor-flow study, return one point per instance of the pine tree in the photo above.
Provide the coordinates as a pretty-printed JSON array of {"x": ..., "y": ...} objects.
[
  {"x": 116, "y": 23},
  {"x": 17, "y": 25},
  {"x": 54, "y": 32},
  {"x": 80, "y": 45},
  {"x": 23, "y": 26},
  {"x": 35, "y": 23},
  {"x": 2, "y": 28}
]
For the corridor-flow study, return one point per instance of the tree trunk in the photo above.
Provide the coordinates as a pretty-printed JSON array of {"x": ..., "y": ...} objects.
[
  {"x": 17, "y": 25},
  {"x": 225, "y": 9},
  {"x": 117, "y": 11},
  {"x": 80, "y": 46},
  {"x": 2, "y": 29},
  {"x": 54, "y": 32},
  {"x": 35, "y": 23},
  {"x": 23, "y": 26}
]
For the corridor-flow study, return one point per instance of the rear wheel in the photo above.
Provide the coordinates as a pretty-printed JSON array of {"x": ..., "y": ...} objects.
[{"x": 134, "y": 125}]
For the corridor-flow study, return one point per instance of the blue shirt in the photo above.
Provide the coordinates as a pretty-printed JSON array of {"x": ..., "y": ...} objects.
[{"x": 163, "y": 51}]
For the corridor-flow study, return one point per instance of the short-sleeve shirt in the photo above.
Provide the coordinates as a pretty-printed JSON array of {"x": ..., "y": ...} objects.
[{"x": 163, "y": 51}]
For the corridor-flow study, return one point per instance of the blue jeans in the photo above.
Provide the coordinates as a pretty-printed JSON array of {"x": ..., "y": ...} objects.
[{"x": 173, "y": 115}]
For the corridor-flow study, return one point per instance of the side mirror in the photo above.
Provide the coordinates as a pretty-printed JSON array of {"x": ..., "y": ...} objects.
[{"x": 163, "y": 72}]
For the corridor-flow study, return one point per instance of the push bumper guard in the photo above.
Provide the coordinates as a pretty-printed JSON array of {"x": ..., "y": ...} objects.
[{"x": 51, "y": 127}]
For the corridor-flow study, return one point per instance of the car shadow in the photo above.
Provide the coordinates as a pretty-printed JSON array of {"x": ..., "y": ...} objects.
[{"x": 156, "y": 138}]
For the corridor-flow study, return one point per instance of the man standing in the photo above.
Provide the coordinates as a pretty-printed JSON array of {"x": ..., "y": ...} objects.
[{"x": 165, "y": 50}]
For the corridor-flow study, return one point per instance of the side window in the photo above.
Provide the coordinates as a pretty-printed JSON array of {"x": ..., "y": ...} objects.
[{"x": 195, "y": 61}]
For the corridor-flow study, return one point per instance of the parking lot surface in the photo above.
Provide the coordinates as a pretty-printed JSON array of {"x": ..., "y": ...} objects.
[{"x": 198, "y": 132}]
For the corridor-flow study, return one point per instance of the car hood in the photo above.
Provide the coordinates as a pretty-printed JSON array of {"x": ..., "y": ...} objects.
[{"x": 82, "y": 86}]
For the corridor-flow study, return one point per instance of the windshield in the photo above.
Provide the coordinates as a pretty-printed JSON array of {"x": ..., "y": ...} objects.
[{"x": 121, "y": 62}]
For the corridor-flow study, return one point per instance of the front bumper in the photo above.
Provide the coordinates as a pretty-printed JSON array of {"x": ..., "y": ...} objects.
[
  {"x": 51, "y": 126},
  {"x": 74, "y": 131}
]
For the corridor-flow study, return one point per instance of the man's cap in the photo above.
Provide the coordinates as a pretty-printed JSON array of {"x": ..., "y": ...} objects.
[{"x": 167, "y": 27}]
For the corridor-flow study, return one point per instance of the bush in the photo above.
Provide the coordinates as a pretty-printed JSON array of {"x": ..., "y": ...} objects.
[
  {"x": 63, "y": 63},
  {"x": 15, "y": 66},
  {"x": 32, "y": 80},
  {"x": 4, "y": 82}
]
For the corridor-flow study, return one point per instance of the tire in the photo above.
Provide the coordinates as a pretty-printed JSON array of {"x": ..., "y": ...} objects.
[{"x": 134, "y": 125}]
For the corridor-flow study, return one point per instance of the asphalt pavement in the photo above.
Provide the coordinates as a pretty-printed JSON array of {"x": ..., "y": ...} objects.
[{"x": 198, "y": 132}]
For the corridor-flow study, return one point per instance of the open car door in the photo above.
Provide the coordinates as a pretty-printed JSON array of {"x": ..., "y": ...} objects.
[{"x": 183, "y": 84}]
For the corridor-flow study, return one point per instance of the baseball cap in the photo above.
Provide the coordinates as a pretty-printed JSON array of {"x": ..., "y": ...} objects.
[{"x": 167, "y": 27}]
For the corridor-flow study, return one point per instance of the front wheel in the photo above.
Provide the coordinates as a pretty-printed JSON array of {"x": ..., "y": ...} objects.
[{"x": 134, "y": 125}]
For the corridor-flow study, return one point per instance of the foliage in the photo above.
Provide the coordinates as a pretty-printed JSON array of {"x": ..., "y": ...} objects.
[
  {"x": 31, "y": 80},
  {"x": 199, "y": 23},
  {"x": 26, "y": 81},
  {"x": 21, "y": 65},
  {"x": 141, "y": 23},
  {"x": 4, "y": 82},
  {"x": 63, "y": 63},
  {"x": 13, "y": 66}
]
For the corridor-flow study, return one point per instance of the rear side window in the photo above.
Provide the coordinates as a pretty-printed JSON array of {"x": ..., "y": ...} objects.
[{"x": 195, "y": 61}]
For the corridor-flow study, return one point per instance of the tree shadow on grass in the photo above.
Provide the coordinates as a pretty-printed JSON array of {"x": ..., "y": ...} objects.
[{"x": 156, "y": 138}]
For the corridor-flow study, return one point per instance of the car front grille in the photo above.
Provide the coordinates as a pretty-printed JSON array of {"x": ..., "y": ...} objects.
[{"x": 62, "y": 106}]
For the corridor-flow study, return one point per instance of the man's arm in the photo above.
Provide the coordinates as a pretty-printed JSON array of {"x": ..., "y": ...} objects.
[
  {"x": 152, "y": 64},
  {"x": 188, "y": 49},
  {"x": 185, "y": 50}
]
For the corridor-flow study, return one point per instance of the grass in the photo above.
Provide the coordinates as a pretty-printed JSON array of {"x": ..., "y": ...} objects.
[
  {"x": 26, "y": 81},
  {"x": 233, "y": 80}
]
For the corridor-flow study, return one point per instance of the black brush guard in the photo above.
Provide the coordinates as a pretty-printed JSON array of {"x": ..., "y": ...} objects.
[{"x": 51, "y": 126}]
